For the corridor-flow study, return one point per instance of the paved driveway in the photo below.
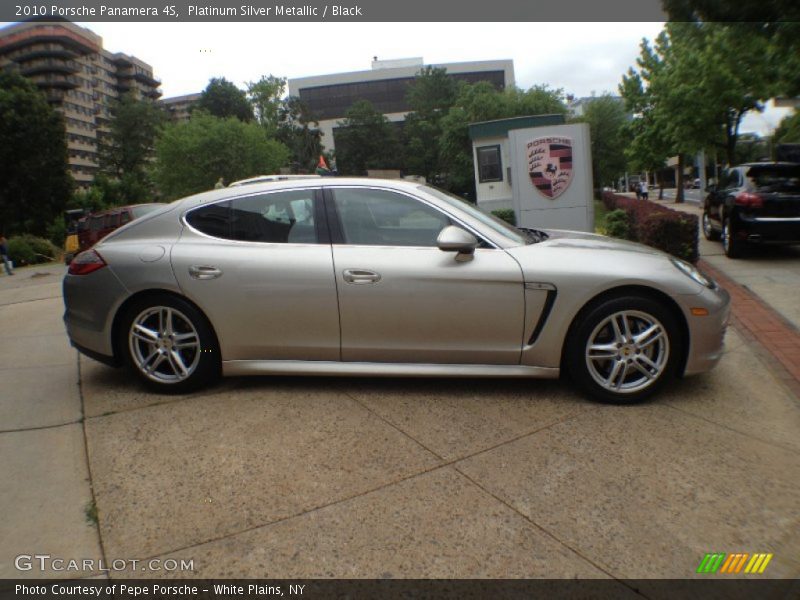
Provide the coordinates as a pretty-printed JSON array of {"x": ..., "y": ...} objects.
[{"x": 290, "y": 477}]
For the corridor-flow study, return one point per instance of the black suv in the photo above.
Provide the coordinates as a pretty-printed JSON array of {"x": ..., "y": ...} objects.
[{"x": 754, "y": 203}]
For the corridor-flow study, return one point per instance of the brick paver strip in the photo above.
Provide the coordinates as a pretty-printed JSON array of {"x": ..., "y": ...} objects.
[{"x": 776, "y": 338}]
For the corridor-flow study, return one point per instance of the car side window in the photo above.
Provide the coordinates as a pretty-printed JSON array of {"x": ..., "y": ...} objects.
[
  {"x": 384, "y": 218},
  {"x": 277, "y": 218}
]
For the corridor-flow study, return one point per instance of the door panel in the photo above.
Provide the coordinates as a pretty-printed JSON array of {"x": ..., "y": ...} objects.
[
  {"x": 401, "y": 299},
  {"x": 266, "y": 300}
]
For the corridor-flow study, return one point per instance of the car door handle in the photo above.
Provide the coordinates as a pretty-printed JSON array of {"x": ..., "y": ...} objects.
[
  {"x": 360, "y": 276},
  {"x": 204, "y": 272}
]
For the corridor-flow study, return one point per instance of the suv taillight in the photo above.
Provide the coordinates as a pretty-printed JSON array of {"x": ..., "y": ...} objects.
[
  {"x": 749, "y": 200},
  {"x": 86, "y": 262}
]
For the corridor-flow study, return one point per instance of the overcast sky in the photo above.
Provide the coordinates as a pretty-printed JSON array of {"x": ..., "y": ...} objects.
[{"x": 580, "y": 58}]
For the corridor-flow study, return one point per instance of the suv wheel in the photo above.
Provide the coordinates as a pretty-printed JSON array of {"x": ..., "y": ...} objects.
[
  {"x": 732, "y": 246},
  {"x": 708, "y": 231}
]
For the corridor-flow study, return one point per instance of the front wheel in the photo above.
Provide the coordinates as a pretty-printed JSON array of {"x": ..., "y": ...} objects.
[
  {"x": 170, "y": 345},
  {"x": 708, "y": 231},
  {"x": 624, "y": 349},
  {"x": 732, "y": 246}
]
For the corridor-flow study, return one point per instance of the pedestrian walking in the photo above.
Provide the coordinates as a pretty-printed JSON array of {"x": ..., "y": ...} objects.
[
  {"x": 643, "y": 189},
  {"x": 4, "y": 254}
]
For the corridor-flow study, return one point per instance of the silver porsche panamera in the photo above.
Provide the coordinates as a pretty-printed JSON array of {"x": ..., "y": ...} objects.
[{"x": 369, "y": 277}]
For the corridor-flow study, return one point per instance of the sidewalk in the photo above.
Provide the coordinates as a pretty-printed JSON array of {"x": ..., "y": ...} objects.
[
  {"x": 44, "y": 467},
  {"x": 763, "y": 287}
]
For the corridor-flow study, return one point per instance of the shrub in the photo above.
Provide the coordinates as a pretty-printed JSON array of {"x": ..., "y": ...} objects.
[
  {"x": 507, "y": 214},
  {"x": 30, "y": 250},
  {"x": 616, "y": 224},
  {"x": 657, "y": 226}
]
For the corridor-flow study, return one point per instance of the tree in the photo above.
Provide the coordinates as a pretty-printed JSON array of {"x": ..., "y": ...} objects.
[
  {"x": 34, "y": 178},
  {"x": 777, "y": 22},
  {"x": 482, "y": 102},
  {"x": 430, "y": 96},
  {"x": 788, "y": 130},
  {"x": 266, "y": 99},
  {"x": 365, "y": 140},
  {"x": 607, "y": 120},
  {"x": 223, "y": 99},
  {"x": 298, "y": 130},
  {"x": 192, "y": 156},
  {"x": 126, "y": 151}
]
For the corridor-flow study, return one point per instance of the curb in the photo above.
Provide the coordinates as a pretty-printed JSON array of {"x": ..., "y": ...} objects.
[{"x": 777, "y": 339}]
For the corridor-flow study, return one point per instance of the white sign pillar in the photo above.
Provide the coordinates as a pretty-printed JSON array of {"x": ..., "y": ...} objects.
[{"x": 552, "y": 168}]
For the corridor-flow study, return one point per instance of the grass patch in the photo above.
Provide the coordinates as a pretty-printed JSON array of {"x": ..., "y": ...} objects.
[
  {"x": 600, "y": 212},
  {"x": 90, "y": 512}
]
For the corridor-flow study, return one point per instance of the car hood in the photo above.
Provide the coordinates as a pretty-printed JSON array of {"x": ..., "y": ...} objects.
[
  {"x": 574, "y": 259},
  {"x": 562, "y": 238}
]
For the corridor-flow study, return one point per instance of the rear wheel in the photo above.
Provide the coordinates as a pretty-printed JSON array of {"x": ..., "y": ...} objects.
[
  {"x": 732, "y": 246},
  {"x": 624, "y": 349},
  {"x": 170, "y": 345},
  {"x": 708, "y": 231}
]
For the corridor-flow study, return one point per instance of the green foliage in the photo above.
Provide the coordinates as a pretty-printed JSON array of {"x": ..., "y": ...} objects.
[
  {"x": 298, "y": 131},
  {"x": 430, "y": 96},
  {"x": 265, "y": 97},
  {"x": 192, "y": 156},
  {"x": 507, "y": 214},
  {"x": 482, "y": 102},
  {"x": 30, "y": 250},
  {"x": 91, "y": 199},
  {"x": 788, "y": 130},
  {"x": 34, "y": 178},
  {"x": 57, "y": 232},
  {"x": 126, "y": 152},
  {"x": 223, "y": 99},
  {"x": 617, "y": 224},
  {"x": 607, "y": 122},
  {"x": 366, "y": 140}
]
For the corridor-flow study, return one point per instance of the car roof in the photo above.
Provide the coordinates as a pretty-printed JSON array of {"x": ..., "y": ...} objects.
[{"x": 268, "y": 178}]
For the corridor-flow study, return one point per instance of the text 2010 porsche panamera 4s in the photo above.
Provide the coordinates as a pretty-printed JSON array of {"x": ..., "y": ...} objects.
[{"x": 370, "y": 277}]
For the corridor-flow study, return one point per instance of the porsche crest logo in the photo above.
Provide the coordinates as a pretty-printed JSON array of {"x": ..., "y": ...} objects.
[{"x": 550, "y": 164}]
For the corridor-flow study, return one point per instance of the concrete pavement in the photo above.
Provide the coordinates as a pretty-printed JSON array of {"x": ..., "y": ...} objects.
[
  {"x": 46, "y": 486},
  {"x": 292, "y": 477}
]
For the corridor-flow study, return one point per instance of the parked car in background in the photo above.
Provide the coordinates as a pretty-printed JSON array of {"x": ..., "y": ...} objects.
[
  {"x": 72, "y": 220},
  {"x": 754, "y": 203},
  {"x": 95, "y": 227},
  {"x": 340, "y": 276}
]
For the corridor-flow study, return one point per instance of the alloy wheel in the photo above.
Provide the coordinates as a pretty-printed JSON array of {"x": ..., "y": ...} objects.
[
  {"x": 164, "y": 344},
  {"x": 627, "y": 352}
]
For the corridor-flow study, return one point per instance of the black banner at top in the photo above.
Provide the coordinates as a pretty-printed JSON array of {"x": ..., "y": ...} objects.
[{"x": 277, "y": 11}]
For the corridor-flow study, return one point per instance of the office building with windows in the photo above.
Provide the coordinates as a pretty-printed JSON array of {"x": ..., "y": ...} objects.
[
  {"x": 328, "y": 97},
  {"x": 80, "y": 80}
]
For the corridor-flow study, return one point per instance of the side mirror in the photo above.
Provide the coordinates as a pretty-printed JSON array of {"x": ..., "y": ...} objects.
[{"x": 455, "y": 239}]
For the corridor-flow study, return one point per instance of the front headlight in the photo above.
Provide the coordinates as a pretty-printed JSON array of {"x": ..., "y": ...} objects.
[{"x": 693, "y": 272}]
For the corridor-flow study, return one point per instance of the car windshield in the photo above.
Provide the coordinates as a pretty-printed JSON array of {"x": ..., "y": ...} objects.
[
  {"x": 496, "y": 224},
  {"x": 775, "y": 178}
]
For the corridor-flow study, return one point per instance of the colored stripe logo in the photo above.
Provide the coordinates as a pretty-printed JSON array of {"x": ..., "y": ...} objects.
[{"x": 731, "y": 564}]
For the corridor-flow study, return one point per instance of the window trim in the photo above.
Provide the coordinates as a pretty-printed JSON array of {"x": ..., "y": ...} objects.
[
  {"x": 321, "y": 229},
  {"x": 337, "y": 233},
  {"x": 499, "y": 149}
]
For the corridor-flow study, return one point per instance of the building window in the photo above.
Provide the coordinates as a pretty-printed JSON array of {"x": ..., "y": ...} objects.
[{"x": 490, "y": 166}]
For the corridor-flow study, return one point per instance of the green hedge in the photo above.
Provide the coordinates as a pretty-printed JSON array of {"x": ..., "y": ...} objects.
[
  {"x": 658, "y": 226},
  {"x": 507, "y": 214},
  {"x": 30, "y": 250}
]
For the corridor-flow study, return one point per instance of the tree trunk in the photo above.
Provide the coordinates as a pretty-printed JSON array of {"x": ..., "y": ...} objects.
[
  {"x": 660, "y": 182},
  {"x": 679, "y": 191}
]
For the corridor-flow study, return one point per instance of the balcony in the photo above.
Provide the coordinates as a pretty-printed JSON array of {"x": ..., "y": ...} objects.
[
  {"x": 67, "y": 82},
  {"x": 43, "y": 51},
  {"x": 49, "y": 65}
]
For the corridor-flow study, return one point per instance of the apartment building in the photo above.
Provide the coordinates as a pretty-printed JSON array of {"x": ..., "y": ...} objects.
[
  {"x": 79, "y": 78},
  {"x": 179, "y": 107}
]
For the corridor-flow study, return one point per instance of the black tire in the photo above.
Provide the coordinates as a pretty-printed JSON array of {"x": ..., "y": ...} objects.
[
  {"x": 709, "y": 232},
  {"x": 192, "y": 339},
  {"x": 733, "y": 247},
  {"x": 593, "y": 323}
]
